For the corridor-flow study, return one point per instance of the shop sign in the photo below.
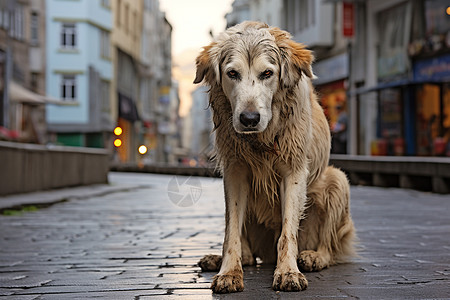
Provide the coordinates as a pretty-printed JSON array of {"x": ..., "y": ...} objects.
[
  {"x": 164, "y": 127},
  {"x": 348, "y": 20},
  {"x": 164, "y": 95},
  {"x": 331, "y": 69},
  {"x": 437, "y": 68}
]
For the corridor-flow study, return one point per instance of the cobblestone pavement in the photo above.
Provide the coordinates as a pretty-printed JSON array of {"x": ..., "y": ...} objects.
[{"x": 138, "y": 244}]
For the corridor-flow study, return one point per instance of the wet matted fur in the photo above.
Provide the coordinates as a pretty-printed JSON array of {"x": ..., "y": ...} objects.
[{"x": 284, "y": 204}]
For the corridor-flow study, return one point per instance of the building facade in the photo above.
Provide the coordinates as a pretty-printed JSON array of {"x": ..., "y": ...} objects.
[
  {"x": 202, "y": 141},
  {"x": 385, "y": 62},
  {"x": 317, "y": 24},
  {"x": 406, "y": 88},
  {"x": 159, "y": 100},
  {"x": 142, "y": 84},
  {"x": 79, "y": 71},
  {"x": 239, "y": 13},
  {"x": 22, "y": 71}
]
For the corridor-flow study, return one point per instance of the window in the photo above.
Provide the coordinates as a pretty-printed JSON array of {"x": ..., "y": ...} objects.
[
  {"x": 68, "y": 36},
  {"x": 19, "y": 23},
  {"x": 34, "y": 81},
  {"x": 136, "y": 26},
  {"x": 106, "y": 3},
  {"x": 118, "y": 16},
  {"x": 5, "y": 19},
  {"x": 68, "y": 87},
  {"x": 127, "y": 25},
  {"x": 34, "y": 28},
  {"x": 15, "y": 22},
  {"x": 393, "y": 37},
  {"x": 149, "y": 5},
  {"x": 437, "y": 22},
  {"x": 300, "y": 14},
  {"x": 104, "y": 44}
]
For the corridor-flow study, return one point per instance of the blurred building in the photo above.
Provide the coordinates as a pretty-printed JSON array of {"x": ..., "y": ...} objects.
[
  {"x": 385, "y": 62},
  {"x": 126, "y": 53},
  {"x": 407, "y": 82},
  {"x": 142, "y": 84},
  {"x": 22, "y": 71},
  {"x": 79, "y": 71},
  {"x": 239, "y": 13},
  {"x": 202, "y": 125},
  {"x": 159, "y": 96}
]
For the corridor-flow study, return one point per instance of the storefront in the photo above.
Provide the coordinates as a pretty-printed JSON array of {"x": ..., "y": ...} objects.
[
  {"x": 394, "y": 120},
  {"x": 433, "y": 105},
  {"x": 413, "y": 116},
  {"x": 332, "y": 74},
  {"x": 127, "y": 121}
]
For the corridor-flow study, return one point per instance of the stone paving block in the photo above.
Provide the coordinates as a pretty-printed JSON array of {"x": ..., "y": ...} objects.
[
  {"x": 22, "y": 297},
  {"x": 137, "y": 244}
]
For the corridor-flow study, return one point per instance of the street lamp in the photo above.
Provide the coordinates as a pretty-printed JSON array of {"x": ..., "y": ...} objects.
[
  {"x": 117, "y": 143},
  {"x": 142, "y": 149},
  {"x": 118, "y": 131}
]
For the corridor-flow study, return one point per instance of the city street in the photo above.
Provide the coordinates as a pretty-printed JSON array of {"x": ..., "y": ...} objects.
[{"x": 141, "y": 237}]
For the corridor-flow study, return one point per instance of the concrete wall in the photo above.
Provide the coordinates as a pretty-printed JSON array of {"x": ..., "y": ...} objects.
[
  {"x": 419, "y": 173},
  {"x": 29, "y": 167}
]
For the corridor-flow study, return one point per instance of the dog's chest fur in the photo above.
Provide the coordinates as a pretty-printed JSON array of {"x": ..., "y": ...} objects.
[{"x": 268, "y": 155}]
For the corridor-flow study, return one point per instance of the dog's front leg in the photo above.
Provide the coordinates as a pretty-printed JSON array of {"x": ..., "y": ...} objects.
[
  {"x": 231, "y": 276},
  {"x": 287, "y": 276}
]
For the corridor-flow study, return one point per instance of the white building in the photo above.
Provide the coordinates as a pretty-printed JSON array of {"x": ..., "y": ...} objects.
[
  {"x": 159, "y": 100},
  {"x": 240, "y": 12},
  {"x": 202, "y": 125},
  {"x": 79, "y": 71}
]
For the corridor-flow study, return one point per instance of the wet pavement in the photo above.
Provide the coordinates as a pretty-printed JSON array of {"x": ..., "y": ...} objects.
[{"x": 143, "y": 242}]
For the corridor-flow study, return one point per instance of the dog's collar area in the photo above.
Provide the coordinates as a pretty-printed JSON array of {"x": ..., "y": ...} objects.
[
  {"x": 276, "y": 147},
  {"x": 256, "y": 144}
]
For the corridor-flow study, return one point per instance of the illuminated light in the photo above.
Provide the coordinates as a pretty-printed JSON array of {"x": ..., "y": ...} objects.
[
  {"x": 118, "y": 131},
  {"x": 448, "y": 10},
  {"x": 192, "y": 163},
  {"x": 142, "y": 149},
  {"x": 117, "y": 142}
]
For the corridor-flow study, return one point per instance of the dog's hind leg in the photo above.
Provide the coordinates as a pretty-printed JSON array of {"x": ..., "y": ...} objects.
[
  {"x": 247, "y": 255},
  {"x": 327, "y": 233},
  {"x": 212, "y": 262}
]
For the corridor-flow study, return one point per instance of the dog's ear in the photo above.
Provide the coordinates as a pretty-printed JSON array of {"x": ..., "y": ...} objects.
[
  {"x": 206, "y": 66},
  {"x": 295, "y": 58}
]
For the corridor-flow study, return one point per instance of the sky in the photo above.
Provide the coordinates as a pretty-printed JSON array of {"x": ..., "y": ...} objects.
[{"x": 192, "y": 21}]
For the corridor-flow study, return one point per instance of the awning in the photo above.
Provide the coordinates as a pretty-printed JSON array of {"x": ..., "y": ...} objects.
[
  {"x": 18, "y": 93},
  {"x": 127, "y": 108},
  {"x": 396, "y": 84}
]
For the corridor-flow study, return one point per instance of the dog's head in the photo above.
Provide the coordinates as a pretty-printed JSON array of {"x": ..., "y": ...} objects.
[{"x": 251, "y": 62}]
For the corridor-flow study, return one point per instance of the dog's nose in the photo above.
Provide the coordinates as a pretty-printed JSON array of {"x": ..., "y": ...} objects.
[{"x": 249, "y": 118}]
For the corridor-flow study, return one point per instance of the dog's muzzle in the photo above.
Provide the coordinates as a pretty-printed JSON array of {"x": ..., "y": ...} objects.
[{"x": 250, "y": 120}]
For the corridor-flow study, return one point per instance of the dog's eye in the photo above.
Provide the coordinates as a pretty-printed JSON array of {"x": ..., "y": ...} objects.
[
  {"x": 266, "y": 74},
  {"x": 233, "y": 74}
]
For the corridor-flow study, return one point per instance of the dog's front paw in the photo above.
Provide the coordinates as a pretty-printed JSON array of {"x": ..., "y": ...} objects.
[
  {"x": 311, "y": 261},
  {"x": 228, "y": 283},
  {"x": 289, "y": 281}
]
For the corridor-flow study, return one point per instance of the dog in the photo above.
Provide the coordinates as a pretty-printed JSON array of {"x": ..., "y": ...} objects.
[{"x": 284, "y": 204}]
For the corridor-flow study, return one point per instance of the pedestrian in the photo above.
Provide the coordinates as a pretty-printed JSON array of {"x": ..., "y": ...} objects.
[{"x": 339, "y": 131}]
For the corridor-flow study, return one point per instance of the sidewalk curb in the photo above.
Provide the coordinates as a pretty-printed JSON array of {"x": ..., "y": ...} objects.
[{"x": 50, "y": 197}]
